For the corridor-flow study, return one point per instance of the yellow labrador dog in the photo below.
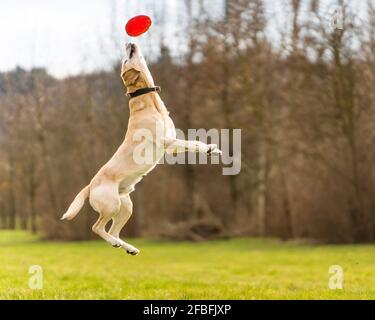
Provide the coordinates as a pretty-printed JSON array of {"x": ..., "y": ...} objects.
[{"x": 109, "y": 190}]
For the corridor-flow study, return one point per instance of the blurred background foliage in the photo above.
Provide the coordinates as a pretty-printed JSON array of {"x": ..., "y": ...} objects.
[{"x": 306, "y": 107}]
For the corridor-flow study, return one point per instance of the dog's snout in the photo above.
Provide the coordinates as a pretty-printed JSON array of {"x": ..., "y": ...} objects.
[
  {"x": 131, "y": 49},
  {"x": 131, "y": 46}
]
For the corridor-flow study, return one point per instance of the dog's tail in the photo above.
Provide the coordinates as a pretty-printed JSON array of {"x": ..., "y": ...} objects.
[{"x": 77, "y": 204}]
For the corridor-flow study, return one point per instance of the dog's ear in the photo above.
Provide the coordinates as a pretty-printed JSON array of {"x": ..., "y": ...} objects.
[{"x": 130, "y": 77}]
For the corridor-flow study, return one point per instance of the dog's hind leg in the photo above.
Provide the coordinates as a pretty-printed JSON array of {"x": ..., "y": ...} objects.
[
  {"x": 119, "y": 221},
  {"x": 99, "y": 229},
  {"x": 122, "y": 217},
  {"x": 105, "y": 200}
]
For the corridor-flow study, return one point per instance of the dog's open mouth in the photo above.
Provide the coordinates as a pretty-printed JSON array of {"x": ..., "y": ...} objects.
[{"x": 131, "y": 48}]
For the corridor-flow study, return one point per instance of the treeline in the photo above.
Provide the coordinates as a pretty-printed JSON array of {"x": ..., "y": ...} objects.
[{"x": 305, "y": 105}]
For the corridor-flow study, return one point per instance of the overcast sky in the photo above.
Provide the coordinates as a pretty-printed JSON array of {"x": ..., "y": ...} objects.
[
  {"x": 66, "y": 36},
  {"x": 73, "y": 36},
  {"x": 51, "y": 33}
]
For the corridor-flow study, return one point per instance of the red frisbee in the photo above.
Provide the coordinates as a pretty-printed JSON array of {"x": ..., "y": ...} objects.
[{"x": 138, "y": 25}]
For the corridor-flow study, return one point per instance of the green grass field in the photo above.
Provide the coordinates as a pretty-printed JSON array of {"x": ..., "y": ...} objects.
[{"x": 225, "y": 269}]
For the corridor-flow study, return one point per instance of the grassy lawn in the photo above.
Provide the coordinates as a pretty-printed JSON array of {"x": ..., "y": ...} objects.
[{"x": 225, "y": 269}]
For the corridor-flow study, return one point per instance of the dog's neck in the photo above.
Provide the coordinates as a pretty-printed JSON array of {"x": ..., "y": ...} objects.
[
  {"x": 150, "y": 100},
  {"x": 135, "y": 80},
  {"x": 141, "y": 84},
  {"x": 142, "y": 91}
]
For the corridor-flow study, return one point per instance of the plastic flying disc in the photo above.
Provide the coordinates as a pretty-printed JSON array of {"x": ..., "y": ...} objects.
[{"x": 138, "y": 25}]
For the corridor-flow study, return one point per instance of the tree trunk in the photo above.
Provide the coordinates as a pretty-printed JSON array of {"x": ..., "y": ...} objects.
[
  {"x": 12, "y": 197},
  {"x": 190, "y": 176},
  {"x": 33, "y": 225},
  {"x": 289, "y": 232},
  {"x": 262, "y": 190}
]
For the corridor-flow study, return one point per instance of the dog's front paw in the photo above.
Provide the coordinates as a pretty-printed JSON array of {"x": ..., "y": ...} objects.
[{"x": 213, "y": 149}]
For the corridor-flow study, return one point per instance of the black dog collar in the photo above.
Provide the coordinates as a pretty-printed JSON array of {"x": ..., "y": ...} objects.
[{"x": 139, "y": 92}]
